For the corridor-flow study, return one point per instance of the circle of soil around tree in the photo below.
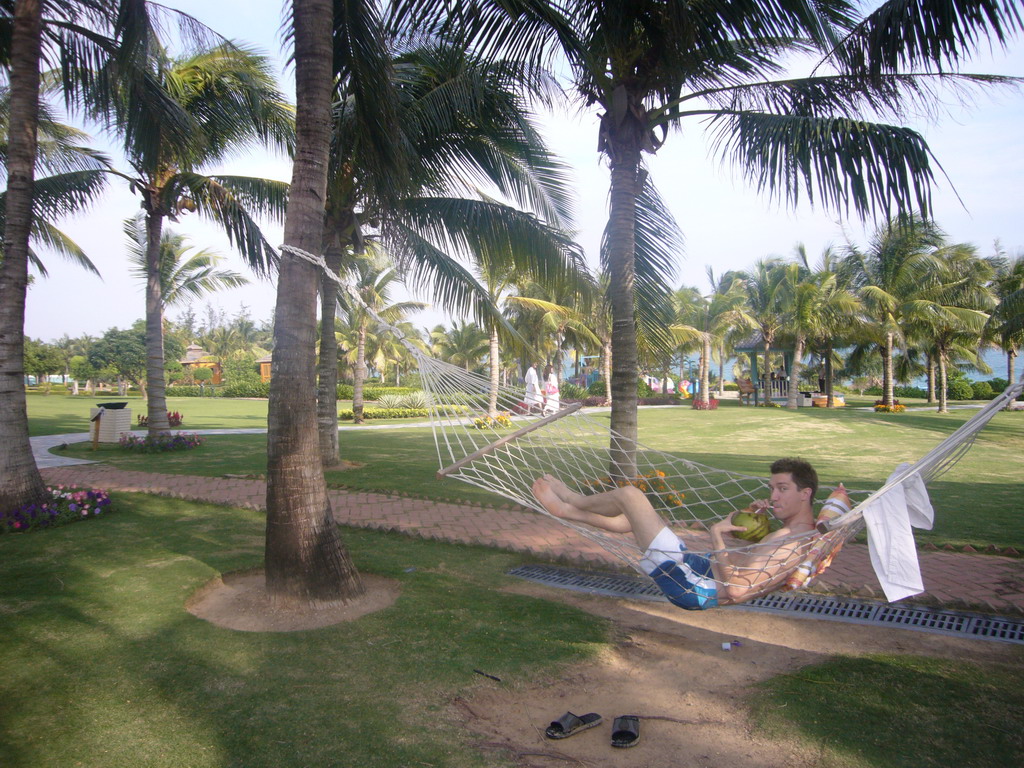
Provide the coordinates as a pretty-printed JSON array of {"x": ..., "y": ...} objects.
[{"x": 240, "y": 601}]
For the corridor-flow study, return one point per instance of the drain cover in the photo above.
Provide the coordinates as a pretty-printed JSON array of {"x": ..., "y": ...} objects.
[{"x": 958, "y": 623}]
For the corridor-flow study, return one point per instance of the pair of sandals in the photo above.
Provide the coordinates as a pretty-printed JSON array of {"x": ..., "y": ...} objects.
[{"x": 625, "y": 729}]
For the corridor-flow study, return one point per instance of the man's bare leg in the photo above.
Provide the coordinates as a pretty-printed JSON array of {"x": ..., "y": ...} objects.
[{"x": 621, "y": 510}]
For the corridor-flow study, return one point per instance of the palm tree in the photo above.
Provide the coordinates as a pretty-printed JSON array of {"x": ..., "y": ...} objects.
[
  {"x": 225, "y": 98},
  {"x": 183, "y": 276},
  {"x": 765, "y": 308},
  {"x": 464, "y": 344},
  {"x": 1006, "y": 324},
  {"x": 648, "y": 64},
  {"x": 373, "y": 280},
  {"x": 461, "y": 123},
  {"x": 959, "y": 299},
  {"x": 888, "y": 277},
  {"x": 304, "y": 557}
]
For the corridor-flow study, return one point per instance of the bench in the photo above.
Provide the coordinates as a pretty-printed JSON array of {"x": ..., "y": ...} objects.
[{"x": 747, "y": 388}]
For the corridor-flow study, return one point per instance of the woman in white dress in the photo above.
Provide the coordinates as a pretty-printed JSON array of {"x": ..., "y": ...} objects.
[{"x": 551, "y": 395}]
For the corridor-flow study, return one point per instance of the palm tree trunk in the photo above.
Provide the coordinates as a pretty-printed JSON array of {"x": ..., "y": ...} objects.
[
  {"x": 931, "y": 378},
  {"x": 887, "y": 388},
  {"x": 359, "y": 375},
  {"x": 20, "y": 481},
  {"x": 705, "y": 371},
  {"x": 794, "y": 375},
  {"x": 766, "y": 390},
  {"x": 606, "y": 369},
  {"x": 625, "y": 187},
  {"x": 830, "y": 402},
  {"x": 495, "y": 366},
  {"x": 156, "y": 400},
  {"x": 305, "y": 560},
  {"x": 327, "y": 365},
  {"x": 943, "y": 397},
  {"x": 721, "y": 371}
]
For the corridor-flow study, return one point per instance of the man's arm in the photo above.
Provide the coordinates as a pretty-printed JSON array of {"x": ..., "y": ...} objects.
[{"x": 745, "y": 575}]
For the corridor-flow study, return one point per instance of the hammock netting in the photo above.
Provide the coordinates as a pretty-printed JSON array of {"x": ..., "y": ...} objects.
[{"x": 490, "y": 436}]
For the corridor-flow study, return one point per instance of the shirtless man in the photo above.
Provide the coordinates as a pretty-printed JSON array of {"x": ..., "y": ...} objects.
[{"x": 690, "y": 580}]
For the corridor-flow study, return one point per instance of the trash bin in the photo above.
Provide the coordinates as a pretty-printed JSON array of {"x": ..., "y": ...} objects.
[{"x": 112, "y": 424}]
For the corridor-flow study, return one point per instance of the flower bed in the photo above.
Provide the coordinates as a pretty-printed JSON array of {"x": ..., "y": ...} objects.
[
  {"x": 881, "y": 407},
  {"x": 62, "y": 505},
  {"x": 179, "y": 441},
  {"x": 711, "y": 405},
  {"x": 174, "y": 419},
  {"x": 493, "y": 422}
]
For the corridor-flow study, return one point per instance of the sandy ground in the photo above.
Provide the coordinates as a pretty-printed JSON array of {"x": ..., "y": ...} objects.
[{"x": 665, "y": 665}]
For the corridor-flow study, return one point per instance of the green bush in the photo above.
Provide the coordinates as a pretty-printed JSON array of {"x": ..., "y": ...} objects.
[
  {"x": 597, "y": 388},
  {"x": 982, "y": 390},
  {"x": 399, "y": 413},
  {"x": 572, "y": 391},
  {"x": 731, "y": 386},
  {"x": 874, "y": 391},
  {"x": 643, "y": 389},
  {"x": 998, "y": 385},
  {"x": 960, "y": 389},
  {"x": 909, "y": 392},
  {"x": 183, "y": 391},
  {"x": 245, "y": 389}
]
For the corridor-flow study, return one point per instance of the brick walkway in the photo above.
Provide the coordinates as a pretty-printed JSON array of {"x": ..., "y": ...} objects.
[{"x": 953, "y": 580}]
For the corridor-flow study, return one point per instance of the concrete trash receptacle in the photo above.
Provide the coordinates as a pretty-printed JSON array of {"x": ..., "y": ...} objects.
[{"x": 112, "y": 424}]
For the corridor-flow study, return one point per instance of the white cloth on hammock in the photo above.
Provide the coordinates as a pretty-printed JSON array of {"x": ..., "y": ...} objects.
[{"x": 891, "y": 542}]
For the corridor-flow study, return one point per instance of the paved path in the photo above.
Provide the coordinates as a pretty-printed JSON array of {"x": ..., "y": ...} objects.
[{"x": 953, "y": 580}]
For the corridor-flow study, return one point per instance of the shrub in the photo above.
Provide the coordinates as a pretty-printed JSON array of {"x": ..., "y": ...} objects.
[
  {"x": 400, "y": 413},
  {"x": 894, "y": 408},
  {"x": 960, "y": 389},
  {"x": 982, "y": 390},
  {"x": 731, "y": 386},
  {"x": 184, "y": 391},
  {"x": 390, "y": 402},
  {"x": 493, "y": 422},
  {"x": 173, "y": 418},
  {"x": 658, "y": 400},
  {"x": 179, "y": 441},
  {"x": 245, "y": 389},
  {"x": 998, "y": 384},
  {"x": 594, "y": 401},
  {"x": 597, "y": 388},
  {"x": 643, "y": 389},
  {"x": 415, "y": 399},
  {"x": 876, "y": 391},
  {"x": 572, "y": 391},
  {"x": 61, "y": 506}
]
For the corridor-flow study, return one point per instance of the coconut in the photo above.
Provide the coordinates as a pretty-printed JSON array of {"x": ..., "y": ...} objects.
[{"x": 757, "y": 524}]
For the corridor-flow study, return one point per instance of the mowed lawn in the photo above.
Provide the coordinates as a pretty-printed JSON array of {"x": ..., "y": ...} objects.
[{"x": 980, "y": 501}]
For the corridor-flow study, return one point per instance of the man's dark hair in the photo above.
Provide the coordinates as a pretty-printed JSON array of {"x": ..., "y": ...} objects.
[{"x": 803, "y": 473}]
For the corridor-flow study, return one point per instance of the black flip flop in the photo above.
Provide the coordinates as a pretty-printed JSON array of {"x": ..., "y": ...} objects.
[
  {"x": 626, "y": 731},
  {"x": 568, "y": 724}
]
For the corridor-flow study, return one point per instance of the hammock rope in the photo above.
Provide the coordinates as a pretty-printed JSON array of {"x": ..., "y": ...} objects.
[{"x": 495, "y": 441}]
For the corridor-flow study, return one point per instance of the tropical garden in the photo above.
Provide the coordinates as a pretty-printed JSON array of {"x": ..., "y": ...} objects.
[{"x": 416, "y": 160}]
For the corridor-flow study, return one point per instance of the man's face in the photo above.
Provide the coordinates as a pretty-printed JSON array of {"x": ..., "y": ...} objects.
[{"x": 787, "y": 498}]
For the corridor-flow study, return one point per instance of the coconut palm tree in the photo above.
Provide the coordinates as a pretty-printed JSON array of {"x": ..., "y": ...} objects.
[
  {"x": 765, "y": 311},
  {"x": 1006, "y": 324},
  {"x": 888, "y": 275},
  {"x": 650, "y": 64},
  {"x": 226, "y": 99},
  {"x": 462, "y": 124},
  {"x": 183, "y": 276},
  {"x": 464, "y": 344},
  {"x": 373, "y": 279}
]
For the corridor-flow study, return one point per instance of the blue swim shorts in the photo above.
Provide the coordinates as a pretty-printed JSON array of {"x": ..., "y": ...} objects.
[{"x": 685, "y": 578}]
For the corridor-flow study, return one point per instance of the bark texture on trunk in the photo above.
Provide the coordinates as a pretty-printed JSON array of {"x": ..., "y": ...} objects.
[
  {"x": 327, "y": 367},
  {"x": 155, "y": 392},
  {"x": 495, "y": 363},
  {"x": 20, "y": 481},
  {"x": 625, "y": 187},
  {"x": 943, "y": 395},
  {"x": 887, "y": 388},
  {"x": 305, "y": 560},
  {"x": 359, "y": 375},
  {"x": 794, "y": 374}
]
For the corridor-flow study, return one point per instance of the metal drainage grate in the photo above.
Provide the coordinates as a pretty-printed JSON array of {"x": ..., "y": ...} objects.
[{"x": 958, "y": 623}]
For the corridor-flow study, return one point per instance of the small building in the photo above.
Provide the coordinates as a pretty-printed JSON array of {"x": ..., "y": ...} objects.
[
  {"x": 196, "y": 357},
  {"x": 264, "y": 367}
]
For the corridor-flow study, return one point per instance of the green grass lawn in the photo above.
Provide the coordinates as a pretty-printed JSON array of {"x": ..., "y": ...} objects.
[
  {"x": 101, "y": 666},
  {"x": 979, "y": 502}
]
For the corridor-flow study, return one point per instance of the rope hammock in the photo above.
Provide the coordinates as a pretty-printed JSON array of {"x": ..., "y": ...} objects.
[{"x": 487, "y": 436}]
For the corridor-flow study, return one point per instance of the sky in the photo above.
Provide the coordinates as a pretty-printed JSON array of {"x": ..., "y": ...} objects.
[{"x": 726, "y": 224}]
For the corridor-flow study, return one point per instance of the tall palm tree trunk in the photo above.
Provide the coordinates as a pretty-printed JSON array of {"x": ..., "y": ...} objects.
[
  {"x": 606, "y": 369},
  {"x": 887, "y": 377},
  {"x": 304, "y": 557},
  {"x": 931, "y": 378},
  {"x": 327, "y": 366},
  {"x": 794, "y": 374},
  {"x": 943, "y": 396},
  {"x": 705, "y": 371},
  {"x": 766, "y": 390},
  {"x": 359, "y": 375},
  {"x": 155, "y": 392},
  {"x": 831, "y": 401},
  {"x": 20, "y": 481},
  {"x": 625, "y": 187},
  {"x": 495, "y": 363}
]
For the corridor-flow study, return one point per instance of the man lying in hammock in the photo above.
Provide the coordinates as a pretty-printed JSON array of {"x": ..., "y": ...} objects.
[{"x": 690, "y": 580}]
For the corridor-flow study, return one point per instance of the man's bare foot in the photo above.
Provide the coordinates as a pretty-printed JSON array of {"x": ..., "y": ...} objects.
[
  {"x": 562, "y": 490},
  {"x": 544, "y": 491}
]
